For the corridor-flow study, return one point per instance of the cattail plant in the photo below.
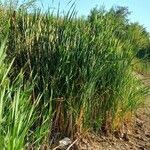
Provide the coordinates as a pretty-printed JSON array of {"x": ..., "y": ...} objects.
[{"x": 81, "y": 67}]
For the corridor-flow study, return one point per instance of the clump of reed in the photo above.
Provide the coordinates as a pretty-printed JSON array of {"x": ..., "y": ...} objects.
[{"x": 82, "y": 68}]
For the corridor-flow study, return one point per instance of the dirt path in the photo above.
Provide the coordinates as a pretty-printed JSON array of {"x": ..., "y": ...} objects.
[{"x": 138, "y": 139}]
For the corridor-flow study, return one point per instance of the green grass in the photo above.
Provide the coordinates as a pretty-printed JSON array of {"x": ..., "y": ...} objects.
[
  {"x": 142, "y": 66},
  {"x": 17, "y": 113},
  {"x": 81, "y": 68}
]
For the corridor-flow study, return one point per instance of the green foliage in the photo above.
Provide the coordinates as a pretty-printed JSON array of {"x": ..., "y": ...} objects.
[
  {"x": 139, "y": 37},
  {"x": 17, "y": 113},
  {"x": 15, "y": 118},
  {"x": 82, "y": 68}
]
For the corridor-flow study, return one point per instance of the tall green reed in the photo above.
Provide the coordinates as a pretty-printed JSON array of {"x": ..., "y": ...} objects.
[
  {"x": 82, "y": 69},
  {"x": 18, "y": 113},
  {"x": 15, "y": 118}
]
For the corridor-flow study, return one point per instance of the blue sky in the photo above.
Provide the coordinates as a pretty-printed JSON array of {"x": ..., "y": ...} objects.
[{"x": 140, "y": 8}]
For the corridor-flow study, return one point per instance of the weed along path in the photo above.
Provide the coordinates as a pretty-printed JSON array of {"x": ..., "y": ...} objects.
[{"x": 138, "y": 135}]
